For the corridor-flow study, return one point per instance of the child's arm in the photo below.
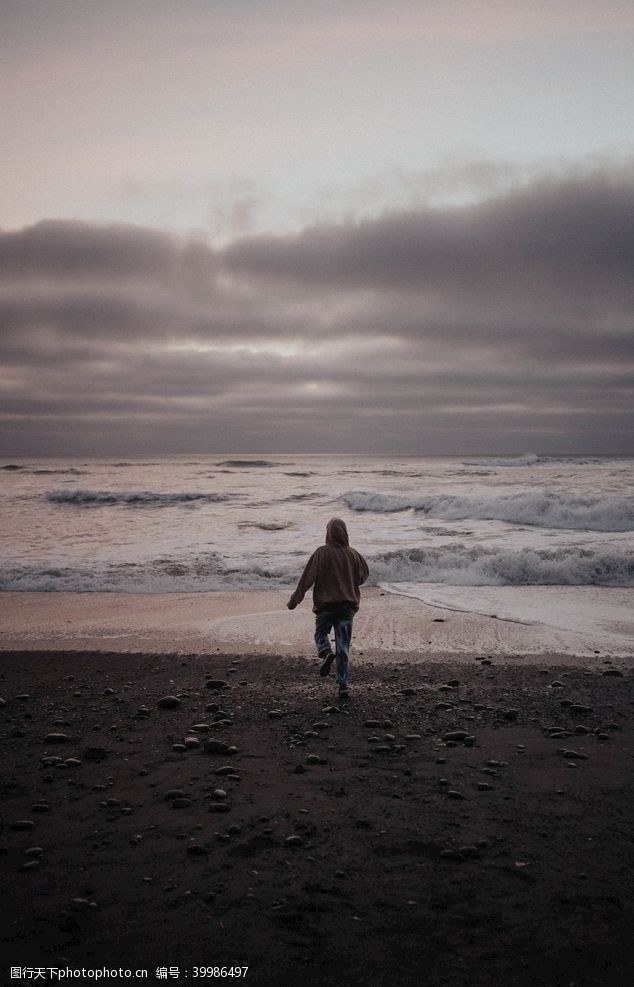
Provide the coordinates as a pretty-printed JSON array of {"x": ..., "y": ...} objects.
[{"x": 304, "y": 584}]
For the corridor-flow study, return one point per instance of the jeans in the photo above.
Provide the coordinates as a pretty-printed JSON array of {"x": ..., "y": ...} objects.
[{"x": 338, "y": 616}]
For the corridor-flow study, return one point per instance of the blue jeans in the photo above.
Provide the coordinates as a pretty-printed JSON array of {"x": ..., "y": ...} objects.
[{"x": 338, "y": 616}]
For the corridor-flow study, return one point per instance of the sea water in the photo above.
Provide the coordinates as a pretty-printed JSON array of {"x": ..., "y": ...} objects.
[{"x": 513, "y": 536}]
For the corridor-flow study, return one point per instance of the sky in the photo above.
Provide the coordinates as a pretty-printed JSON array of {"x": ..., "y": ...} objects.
[{"x": 355, "y": 227}]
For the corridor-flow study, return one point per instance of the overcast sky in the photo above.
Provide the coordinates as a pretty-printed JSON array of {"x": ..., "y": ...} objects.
[{"x": 352, "y": 226}]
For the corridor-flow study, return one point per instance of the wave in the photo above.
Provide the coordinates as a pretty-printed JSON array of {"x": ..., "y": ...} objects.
[
  {"x": 537, "y": 508},
  {"x": 529, "y": 459},
  {"x": 134, "y": 498},
  {"x": 457, "y": 565},
  {"x": 67, "y": 472},
  {"x": 246, "y": 463},
  {"x": 266, "y": 525},
  {"x": 462, "y": 565}
]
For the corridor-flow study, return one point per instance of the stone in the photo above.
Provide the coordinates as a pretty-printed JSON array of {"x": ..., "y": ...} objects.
[
  {"x": 292, "y": 841},
  {"x": 219, "y": 807},
  {"x": 578, "y": 708},
  {"x": 216, "y": 747},
  {"x": 56, "y": 738},
  {"x": 574, "y": 755},
  {"x": 454, "y": 683},
  {"x": 614, "y": 672},
  {"x": 372, "y": 723},
  {"x": 200, "y": 728},
  {"x": 174, "y": 793},
  {"x": 217, "y": 684},
  {"x": 168, "y": 702},
  {"x": 460, "y": 853},
  {"x": 454, "y": 794},
  {"x": 312, "y": 759},
  {"x": 30, "y": 865},
  {"x": 455, "y": 735},
  {"x": 20, "y": 824},
  {"x": 511, "y": 714},
  {"x": 226, "y": 769},
  {"x": 274, "y": 714},
  {"x": 181, "y": 803}
]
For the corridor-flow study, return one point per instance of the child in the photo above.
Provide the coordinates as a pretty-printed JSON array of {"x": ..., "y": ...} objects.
[{"x": 335, "y": 570}]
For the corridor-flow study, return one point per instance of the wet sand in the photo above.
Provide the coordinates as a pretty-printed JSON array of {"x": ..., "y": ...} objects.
[{"x": 463, "y": 819}]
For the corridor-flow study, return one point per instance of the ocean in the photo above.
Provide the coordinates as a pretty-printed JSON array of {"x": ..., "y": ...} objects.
[{"x": 513, "y": 536}]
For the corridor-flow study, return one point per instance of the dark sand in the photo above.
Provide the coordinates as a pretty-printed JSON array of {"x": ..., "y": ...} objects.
[{"x": 412, "y": 860}]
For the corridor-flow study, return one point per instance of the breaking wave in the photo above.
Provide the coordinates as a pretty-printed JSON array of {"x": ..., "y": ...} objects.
[
  {"x": 539, "y": 508},
  {"x": 457, "y": 564},
  {"x": 461, "y": 565},
  {"x": 133, "y": 498}
]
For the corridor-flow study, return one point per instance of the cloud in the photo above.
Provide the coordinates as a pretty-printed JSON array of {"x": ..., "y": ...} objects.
[{"x": 494, "y": 326}]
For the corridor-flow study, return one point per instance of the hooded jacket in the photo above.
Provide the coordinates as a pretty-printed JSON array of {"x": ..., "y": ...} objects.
[{"x": 334, "y": 570}]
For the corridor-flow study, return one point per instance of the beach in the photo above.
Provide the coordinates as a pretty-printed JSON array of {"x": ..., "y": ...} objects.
[{"x": 182, "y": 791}]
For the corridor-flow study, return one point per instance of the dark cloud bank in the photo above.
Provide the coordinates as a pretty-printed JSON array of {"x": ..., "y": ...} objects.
[{"x": 502, "y": 326}]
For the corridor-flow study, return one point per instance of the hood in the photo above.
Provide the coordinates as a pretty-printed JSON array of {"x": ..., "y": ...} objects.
[{"x": 336, "y": 532}]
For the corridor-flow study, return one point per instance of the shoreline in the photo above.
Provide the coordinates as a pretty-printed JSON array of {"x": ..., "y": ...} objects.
[{"x": 257, "y": 622}]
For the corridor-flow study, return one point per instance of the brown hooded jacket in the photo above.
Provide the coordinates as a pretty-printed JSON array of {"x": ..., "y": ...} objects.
[{"x": 334, "y": 570}]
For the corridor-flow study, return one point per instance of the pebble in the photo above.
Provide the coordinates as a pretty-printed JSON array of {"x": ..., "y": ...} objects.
[
  {"x": 219, "y": 807},
  {"x": 34, "y": 851},
  {"x": 372, "y": 723},
  {"x": 461, "y": 853},
  {"x": 181, "y": 803},
  {"x": 174, "y": 793},
  {"x": 412, "y": 736},
  {"x": 22, "y": 824},
  {"x": 293, "y": 841},
  {"x": 226, "y": 769},
  {"x": 441, "y": 706},
  {"x": 575, "y": 755},
  {"x": 168, "y": 702},
  {"x": 30, "y": 865},
  {"x": 454, "y": 683},
  {"x": 216, "y": 747},
  {"x": 179, "y": 748},
  {"x": 274, "y": 714},
  {"x": 217, "y": 684},
  {"x": 455, "y": 735},
  {"x": 201, "y": 728},
  {"x": 454, "y": 794},
  {"x": 511, "y": 714},
  {"x": 219, "y": 793},
  {"x": 190, "y": 743},
  {"x": 56, "y": 738},
  {"x": 578, "y": 708},
  {"x": 483, "y": 786},
  {"x": 312, "y": 759},
  {"x": 613, "y": 672},
  {"x": 557, "y": 684}
]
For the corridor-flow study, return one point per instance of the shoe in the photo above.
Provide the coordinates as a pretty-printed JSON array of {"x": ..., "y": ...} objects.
[
  {"x": 326, "y": 665},
  {"x": 343, "y": 692}
]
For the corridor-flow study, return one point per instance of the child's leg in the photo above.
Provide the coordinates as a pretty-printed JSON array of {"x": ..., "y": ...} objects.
[
  {"x": 323, "y": 627},
  {"x": 343, "y": 637}
]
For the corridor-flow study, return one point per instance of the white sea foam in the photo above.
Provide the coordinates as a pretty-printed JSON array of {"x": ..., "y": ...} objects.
[{"x": 542, "y": 508}]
